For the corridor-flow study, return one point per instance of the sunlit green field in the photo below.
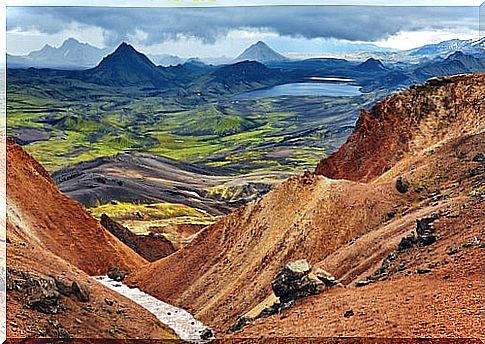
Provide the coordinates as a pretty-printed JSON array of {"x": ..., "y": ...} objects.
[{"x": 75, "y": 123}]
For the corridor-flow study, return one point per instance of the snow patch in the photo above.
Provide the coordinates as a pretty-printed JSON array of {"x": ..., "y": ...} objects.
[{"x": 182, "y": 322}]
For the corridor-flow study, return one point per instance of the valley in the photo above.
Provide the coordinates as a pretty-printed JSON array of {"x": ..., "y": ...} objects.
[{"x": 267, "y": 197}]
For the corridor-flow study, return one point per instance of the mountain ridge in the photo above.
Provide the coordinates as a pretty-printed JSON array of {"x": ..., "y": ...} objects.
[{"x": 260, "y": 52}]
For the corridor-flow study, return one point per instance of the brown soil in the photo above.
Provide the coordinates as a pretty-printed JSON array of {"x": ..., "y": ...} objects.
[
  {"x": 92, "y": 319},
  {"x": 407, "y": 123},
  {"x": 448, "y": 302},
  {"x": 150, "y": 247},
  {"x": 50, "y": 234},
  {"x": 227, "y": 270},
  {"x": 57, "y": 222}
]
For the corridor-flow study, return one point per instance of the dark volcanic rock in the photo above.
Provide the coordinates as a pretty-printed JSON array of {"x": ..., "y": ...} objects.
[
  {"x": 425, "y": 230},
  {"x": 479, "y": 157},
  {"x": 402, "y": 185},
  {"x": 325, "y": 277},
  {"x": 116, "y": 274},
  {"x": 426, "y": 240},
  {"x": 348, "y": 313},
  {"x": 295, "y": 281},
  {"x": 407, "y": 242},
  {"x": 206, "y": 334},
  {"x": 240, "y": 323},
  {"x": 423, "y": 270}
]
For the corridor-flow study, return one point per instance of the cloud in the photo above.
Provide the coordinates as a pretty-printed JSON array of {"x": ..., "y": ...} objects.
[{"x": 150, "y": 26}]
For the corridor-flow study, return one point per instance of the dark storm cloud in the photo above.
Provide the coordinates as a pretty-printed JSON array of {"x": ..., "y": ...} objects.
[{"x": 355, "y": 23}]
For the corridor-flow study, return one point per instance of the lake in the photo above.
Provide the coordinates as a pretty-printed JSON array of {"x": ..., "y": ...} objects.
[{"x": 327, "y": 89}]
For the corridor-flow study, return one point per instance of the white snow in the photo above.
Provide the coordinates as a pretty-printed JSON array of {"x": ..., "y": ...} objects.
[{"x": 182, "y": 322}]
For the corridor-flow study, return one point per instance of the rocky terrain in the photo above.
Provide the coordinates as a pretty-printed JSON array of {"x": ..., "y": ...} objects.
[
  {"x": 53, "y": 246},
  {"x": 385, "y": 239},
  {"x": 147, "y": 179},
  {"x": 398, "y": 227}
]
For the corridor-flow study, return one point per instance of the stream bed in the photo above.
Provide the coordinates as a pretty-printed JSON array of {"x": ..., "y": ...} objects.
[{"x": 182, "y": 322}]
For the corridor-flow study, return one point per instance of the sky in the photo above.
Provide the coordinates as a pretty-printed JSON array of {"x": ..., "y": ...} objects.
[{"x": 212, "y": 31}]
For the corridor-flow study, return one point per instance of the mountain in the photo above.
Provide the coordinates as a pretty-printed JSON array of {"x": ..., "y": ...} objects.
[
  {"x": 72, "y": 54},
  {"x": 54, "y": 247},
  {"x": 470, "y": 46},
  {"x": 166, "y": 60},
  {"x": 262, "y": 53},
  {"x": 127, "y": 67},
  {"x": 405, "y": 189},
  {"x": 238, "y": 77},
  {"x": 456, "y": 63},
  {"x": 371, "y": 65}
]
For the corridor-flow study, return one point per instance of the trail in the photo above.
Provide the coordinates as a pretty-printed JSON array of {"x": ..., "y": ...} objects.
[{"x": 182, "y": 322}]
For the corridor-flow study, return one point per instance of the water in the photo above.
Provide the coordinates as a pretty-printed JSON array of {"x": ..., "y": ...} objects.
[
  {"x": 328, "y": 89},
  {"x": 182, "y": 322}
]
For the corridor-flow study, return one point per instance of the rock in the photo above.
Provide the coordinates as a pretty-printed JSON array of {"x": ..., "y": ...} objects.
[
  {"x": 363, "y": 282},
  {"x": 325, "y": 277},
  {"x": 297, "y": 269},
  {"x": 426, "y": 240},
  {"x": 402, "y": 185},
  {"x": 116, "y": 274},
  {"x": 43, "y": 295},
  {"x": 109, "y": 302},
  {"x": 296, "y": 281},
  {"x": 64, "y": 286},
  {"x": 407, "y": 242},
  {"x": 348, "y": 313},
  {"x": 479, "y": 157},
  {"x": 423, "y": 225},
  {"x": 421, "y": 270},
  {"x": 80, "y": 291},
  {"x": 206, "y": 334},
  {"x": 240, "y": 323},
  {"x": 453, "y": 250}
]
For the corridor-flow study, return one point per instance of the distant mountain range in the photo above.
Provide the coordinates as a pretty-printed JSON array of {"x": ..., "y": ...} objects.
[
  {"x": 261, "y": 52},
  {"x": 72, "y": 54},
  {"x": 193, "y": 80},
  {"x": 456, "y": 63},
  {"x": 443, "y": 49}
]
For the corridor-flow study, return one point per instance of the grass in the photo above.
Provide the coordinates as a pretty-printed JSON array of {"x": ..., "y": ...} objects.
[
  {"x": 140, "y": 218},
  {"x": 85, "y": 121},
  {"x": 155, "y": 211}
]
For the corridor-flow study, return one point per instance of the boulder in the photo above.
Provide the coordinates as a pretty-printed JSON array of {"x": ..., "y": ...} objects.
[
  {"x": 424, "y": 225},
  {"x": 240, "y": 323},
  {"x": 479, "y": 157},
  {"x": 64, "y": 286},
  {"x": 206, "y": 334},
  {"x": 402, "y": 185},
  {"x": 43, "y": 295},
  {"x": 406, "y": 242},
  {"x": 425, "y": 230},
  {"x": 116, "y": 274},
  {"x": 295, "y": 281},
  {"x": 80, "y": 291}
]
